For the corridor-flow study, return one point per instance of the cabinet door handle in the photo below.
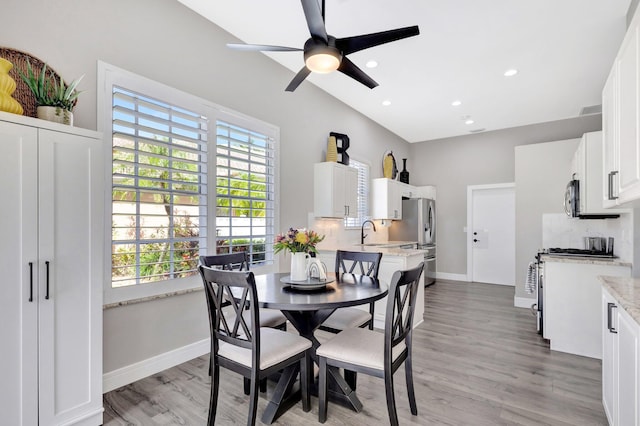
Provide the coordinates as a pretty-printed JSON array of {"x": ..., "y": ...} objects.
[
  {"x": 610, "y": 307},
  {"x": 47, "y": 292},
  {"x": 611, "y": 177},
  {"x": 30, "y": 281}
]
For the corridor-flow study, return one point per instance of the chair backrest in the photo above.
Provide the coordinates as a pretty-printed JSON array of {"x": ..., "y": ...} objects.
[
  {"x": 401, "y": 304},
  {"x": 230, "y": 261},
  {"x": 229, "y": 325},
  {"x": 362, "y": 263}
]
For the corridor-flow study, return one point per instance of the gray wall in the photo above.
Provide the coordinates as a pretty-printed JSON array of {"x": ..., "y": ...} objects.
[
  {"x": 486, "y": 158},
  {"x": 542, "y": 173},
  {"x": 164, "y": 41}
]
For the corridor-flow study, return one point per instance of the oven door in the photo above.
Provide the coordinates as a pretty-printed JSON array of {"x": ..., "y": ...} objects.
[{"x": 572, "y": 198}]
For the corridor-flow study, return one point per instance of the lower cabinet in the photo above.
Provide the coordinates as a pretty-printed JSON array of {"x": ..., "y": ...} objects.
[
  {"x": 620, "y": 364},
  {"x": 571, "y": 303},
  {"x": 51, "y": 257}
]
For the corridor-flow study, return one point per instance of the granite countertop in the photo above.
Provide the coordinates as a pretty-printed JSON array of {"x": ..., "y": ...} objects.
[
  {"x": 584, "y": 260},
  {"x": 389, "y": 248},
  {"x": 626, "y": 291}
]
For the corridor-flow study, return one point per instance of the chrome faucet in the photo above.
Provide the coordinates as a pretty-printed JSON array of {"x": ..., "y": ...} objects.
[{"x": 362, "y": 235}]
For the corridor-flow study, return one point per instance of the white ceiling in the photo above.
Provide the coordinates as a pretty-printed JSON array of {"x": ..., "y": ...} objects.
[{"x": 563, "y": 50}]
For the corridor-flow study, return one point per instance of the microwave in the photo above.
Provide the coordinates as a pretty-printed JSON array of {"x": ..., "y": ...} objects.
[{"x": 572, "y": 198}]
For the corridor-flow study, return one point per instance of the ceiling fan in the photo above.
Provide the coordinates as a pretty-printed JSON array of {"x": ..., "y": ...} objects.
[{"x": 324, "y": 53}]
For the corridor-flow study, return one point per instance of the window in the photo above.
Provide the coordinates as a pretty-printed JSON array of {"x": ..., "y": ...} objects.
[
  {"x": 188, "y": 177},
  {"x": 159, "y": 192},
  {"x": 245, "y": 190},
  {"x": 363, "y": 195}
]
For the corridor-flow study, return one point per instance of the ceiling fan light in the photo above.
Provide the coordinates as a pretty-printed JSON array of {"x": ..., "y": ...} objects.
[{"x": 324, "y": 62}]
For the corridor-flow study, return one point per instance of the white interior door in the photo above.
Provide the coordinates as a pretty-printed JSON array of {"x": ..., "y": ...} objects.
[{"x": 491, "y": 234}]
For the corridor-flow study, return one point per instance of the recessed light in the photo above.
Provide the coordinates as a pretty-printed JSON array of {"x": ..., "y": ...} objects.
[
  {"x": 456, "y": 103},
  {"x": 371, "y": 64},
  {"x": 511, "y": 72},
  {"x": 386, "y": 103},
  {"x": 469, "y": 121}
]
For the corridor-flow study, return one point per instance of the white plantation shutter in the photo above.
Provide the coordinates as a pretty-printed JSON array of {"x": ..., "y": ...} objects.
[
  {"x": 363, "y": 195},
  {"x": 245, "y": 192},
  {"x": 159, "y": 189}
]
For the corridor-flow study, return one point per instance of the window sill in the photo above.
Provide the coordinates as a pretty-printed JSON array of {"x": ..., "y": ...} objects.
[{"x": 149, "y": 298}]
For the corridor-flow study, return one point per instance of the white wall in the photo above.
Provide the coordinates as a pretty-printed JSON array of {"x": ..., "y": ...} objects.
[{"x": 164, "y": 41}]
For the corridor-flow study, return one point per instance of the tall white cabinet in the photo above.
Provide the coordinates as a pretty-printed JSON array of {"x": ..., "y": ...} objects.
[{"x": 51, "y": 256}]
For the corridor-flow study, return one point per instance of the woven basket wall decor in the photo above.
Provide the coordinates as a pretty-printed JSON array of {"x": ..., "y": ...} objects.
[{"x": 23, "y": 94}]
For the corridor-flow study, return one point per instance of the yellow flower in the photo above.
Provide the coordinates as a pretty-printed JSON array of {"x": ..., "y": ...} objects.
[{"x": 302, "y": 238}]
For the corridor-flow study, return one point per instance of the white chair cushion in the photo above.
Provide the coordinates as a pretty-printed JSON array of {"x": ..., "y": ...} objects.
[
  {"x": 275, "y": 346},
  {"x": 268, "y": 317},
  {"x": 344, "y": 318},
  {"x": 359, "y": 346}
]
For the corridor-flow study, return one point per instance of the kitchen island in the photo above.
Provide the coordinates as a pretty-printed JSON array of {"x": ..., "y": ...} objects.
[{"x": 394, "y": 258}]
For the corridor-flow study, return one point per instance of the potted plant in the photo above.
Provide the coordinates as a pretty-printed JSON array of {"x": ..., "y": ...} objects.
[{"x": 54, "y": 97}]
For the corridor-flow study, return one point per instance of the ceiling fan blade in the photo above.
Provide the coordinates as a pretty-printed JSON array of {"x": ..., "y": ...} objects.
[
  {"x": 349, "y": 68},
  {"x": 299, "y": 78},
  {"x": 315, "y": 21},
  {"x": 262, "y": 47},
  {"x": 353, "y": 44}
]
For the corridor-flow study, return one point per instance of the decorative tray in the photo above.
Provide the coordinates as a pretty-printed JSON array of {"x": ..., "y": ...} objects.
[{"x": 308, "y": 284}]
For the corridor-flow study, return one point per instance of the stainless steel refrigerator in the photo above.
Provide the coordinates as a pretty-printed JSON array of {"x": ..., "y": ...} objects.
[{"x": 419, "y": 224}]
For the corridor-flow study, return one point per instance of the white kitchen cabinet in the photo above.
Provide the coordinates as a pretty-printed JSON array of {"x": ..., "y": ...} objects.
[
  {"x": 620, "y": 364},
  {"x": 335, "y": 190},
  {"x": 571, "y": 303},
  {"x": 620, "y": 119},
  {"x": 588, "y": 169},
  {"x": 387, "y": 199},
  {"x": 610, "y": 141},
  {"x": 51, "y": 257},
  {"x": 427, "y": 191}
]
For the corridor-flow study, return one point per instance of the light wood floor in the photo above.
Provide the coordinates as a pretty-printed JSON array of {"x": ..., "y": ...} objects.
[{"x": 478, "y": 361}]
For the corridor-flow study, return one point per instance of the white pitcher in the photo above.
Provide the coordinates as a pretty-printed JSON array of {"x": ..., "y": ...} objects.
[{"x": 299, "y": 262}]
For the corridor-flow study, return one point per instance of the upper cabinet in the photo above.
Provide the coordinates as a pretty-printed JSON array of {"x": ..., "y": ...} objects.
[
  {"x": 620, "y": 122},
  {"x": 335, "y": 190},
  {"x": 387, "y": 199}
]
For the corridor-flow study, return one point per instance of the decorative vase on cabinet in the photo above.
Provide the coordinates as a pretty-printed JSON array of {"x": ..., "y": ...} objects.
[
  {"x": 7, "y": 87},
  {"x": 404, "y": 174}
]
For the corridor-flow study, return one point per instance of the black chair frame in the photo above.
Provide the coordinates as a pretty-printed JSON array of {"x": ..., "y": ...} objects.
[
  {"x": 238, "y": 289},
  {"x": 398, "y": 327}
]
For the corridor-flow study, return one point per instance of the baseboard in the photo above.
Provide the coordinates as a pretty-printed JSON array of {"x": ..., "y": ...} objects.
[
  {"x": 451, "y": 277},
  {"x": 139, "y": 370},
  {"x": 523, "y": 302}
]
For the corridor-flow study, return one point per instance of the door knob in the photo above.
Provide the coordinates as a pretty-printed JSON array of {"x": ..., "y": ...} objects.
[
  {"x": 475, "y": 233},
  {"x": 475, "y": 241}
]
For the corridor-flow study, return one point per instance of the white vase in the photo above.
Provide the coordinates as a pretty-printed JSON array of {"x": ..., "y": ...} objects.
[
  {"x": 55, "y": 114},
  {"x": 299, "y": 266}
]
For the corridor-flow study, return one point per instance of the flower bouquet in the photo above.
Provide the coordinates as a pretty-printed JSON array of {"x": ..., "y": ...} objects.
[
  {"x": 300, "y": 242},
  {"x": 297, "y": 241}
]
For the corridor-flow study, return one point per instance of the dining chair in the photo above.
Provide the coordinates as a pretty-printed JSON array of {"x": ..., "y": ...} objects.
[
  {"x": 240, "y": 261},
  {"x": 242, "y": 345},
  {"x": 272, "y": 318},
  {"x": 353, "y": 262},
  {"x": 374, "y": 353}
]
